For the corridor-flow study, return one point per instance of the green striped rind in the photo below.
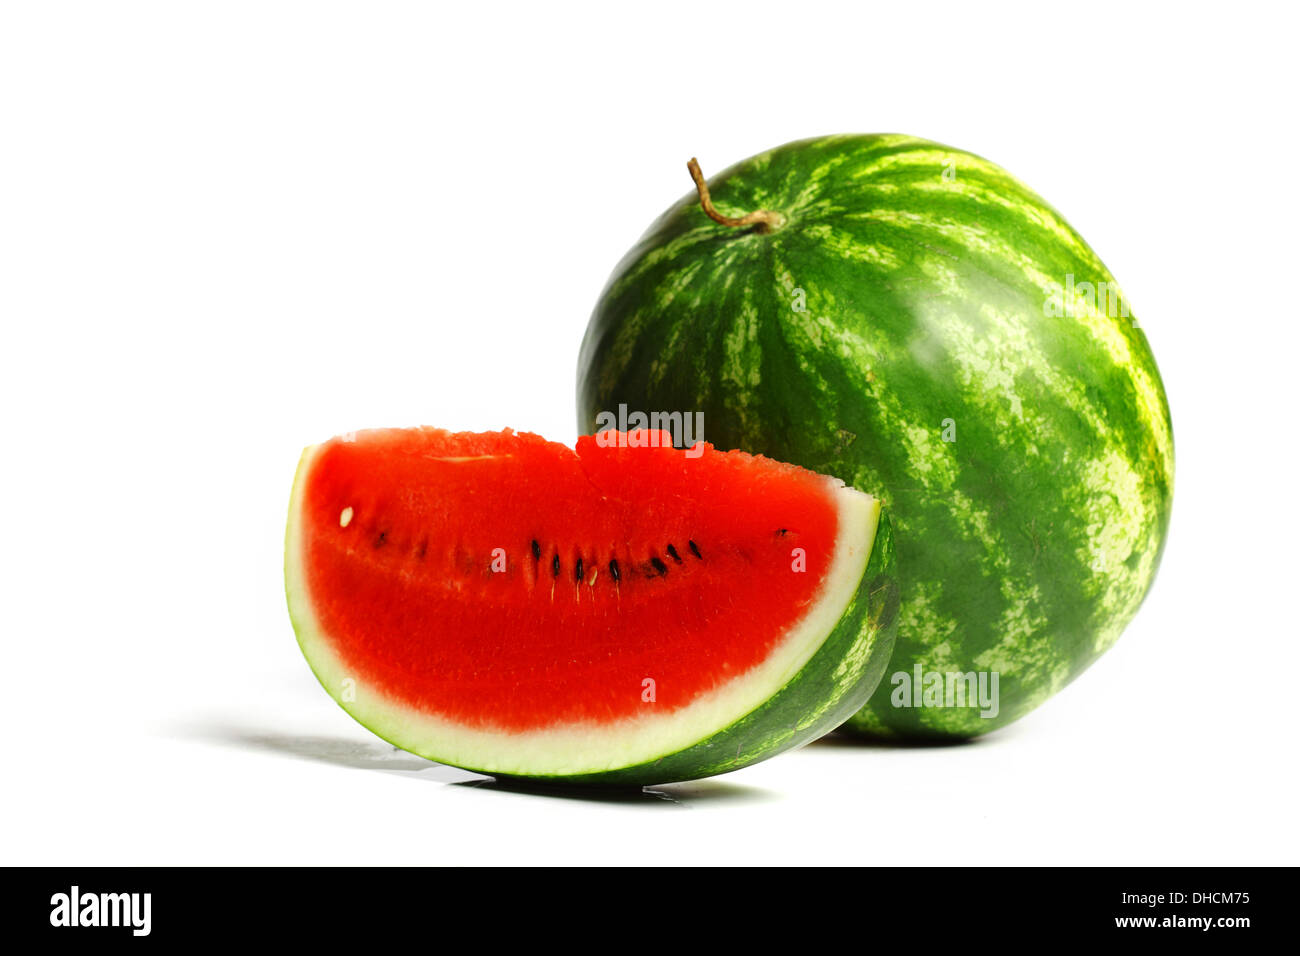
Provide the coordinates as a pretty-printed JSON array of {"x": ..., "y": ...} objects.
[
  {"x": 833, "y": 685},
  {"x": 927, "y": 275}
]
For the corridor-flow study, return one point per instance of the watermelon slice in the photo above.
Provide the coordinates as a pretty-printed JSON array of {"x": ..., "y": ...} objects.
[{"x": 622, "y": 613}]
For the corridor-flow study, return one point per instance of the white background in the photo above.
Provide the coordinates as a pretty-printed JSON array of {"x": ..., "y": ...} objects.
[{"x": 229, "y": 230}]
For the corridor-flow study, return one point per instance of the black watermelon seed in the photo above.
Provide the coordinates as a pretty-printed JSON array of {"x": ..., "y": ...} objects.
[
  {"x": 383, "y": 537},
  {"x": 672, "y": 553},
  {"x": 537, "y": 550},
  {"x": 613, "y": 570},
  {"x": 659, "y": 566},
  {"x": 555, "y": 566},
  {"x": 695, "y": 550},
  {"x": 577, "y": 571}
]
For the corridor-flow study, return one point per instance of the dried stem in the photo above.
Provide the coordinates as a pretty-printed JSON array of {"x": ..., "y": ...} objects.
[{"x": 765, "y": 219}]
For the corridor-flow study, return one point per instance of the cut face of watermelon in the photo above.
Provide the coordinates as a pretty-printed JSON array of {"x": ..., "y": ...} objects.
[{"x": 624, "y": 612}]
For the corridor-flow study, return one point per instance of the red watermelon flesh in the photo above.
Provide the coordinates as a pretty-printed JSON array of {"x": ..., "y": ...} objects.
[{"x": 507, "y": 603}]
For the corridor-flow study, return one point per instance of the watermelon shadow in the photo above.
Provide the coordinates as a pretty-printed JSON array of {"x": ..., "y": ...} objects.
[
  {"x": 347, "y": 752},
  {"x": 844, "y": 741},
  {"x": 670, "y": 794},
  {"x": 379, "y": 755}
]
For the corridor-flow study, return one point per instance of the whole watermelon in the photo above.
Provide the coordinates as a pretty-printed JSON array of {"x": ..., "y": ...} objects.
[{"x": 912, "y": 319}]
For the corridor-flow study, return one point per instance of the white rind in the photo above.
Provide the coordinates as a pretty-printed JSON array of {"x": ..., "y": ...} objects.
[{"x": 584, "y": 748}]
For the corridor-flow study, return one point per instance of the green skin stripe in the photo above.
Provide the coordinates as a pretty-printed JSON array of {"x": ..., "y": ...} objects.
[
  {"x": 831, "y": 687},
  {"x": 927, "y": 276}
]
